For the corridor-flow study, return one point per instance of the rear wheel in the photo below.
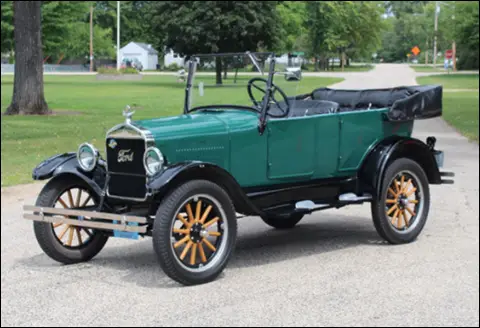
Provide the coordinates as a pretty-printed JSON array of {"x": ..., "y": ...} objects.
[
  {"x": 401, "y": 211},
  {"x": 194, "y": 232},
  {"x": 283, "y": 222},
  {"x": 62, "y": 242}
]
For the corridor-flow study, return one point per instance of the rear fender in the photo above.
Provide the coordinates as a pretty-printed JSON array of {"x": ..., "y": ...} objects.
[
  {"x": 171, "y": 177},
  {"x": 62, "y": 165},
  {"x": 388, "y": 150}
]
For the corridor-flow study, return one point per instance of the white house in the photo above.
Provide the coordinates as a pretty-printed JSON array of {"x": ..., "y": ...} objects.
[
  {"x": 143, "y": 52},
  {"x": 173, "y": 58}
]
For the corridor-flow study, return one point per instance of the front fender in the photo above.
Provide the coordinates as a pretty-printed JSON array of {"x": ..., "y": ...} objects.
[
  {"x": 172, "y": 176},
  {"x": 64, "y": 164},
  {"x": 390, "y": 149}
]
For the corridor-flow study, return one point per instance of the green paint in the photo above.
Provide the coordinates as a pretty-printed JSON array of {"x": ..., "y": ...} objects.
[{"x": 293, "y": 149}]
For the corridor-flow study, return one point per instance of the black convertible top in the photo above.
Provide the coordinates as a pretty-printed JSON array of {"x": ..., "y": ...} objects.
[{"x": 405, "y": 103}]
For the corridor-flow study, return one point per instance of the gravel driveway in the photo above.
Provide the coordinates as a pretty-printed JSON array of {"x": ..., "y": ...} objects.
[{"x": 332, "y": 269}]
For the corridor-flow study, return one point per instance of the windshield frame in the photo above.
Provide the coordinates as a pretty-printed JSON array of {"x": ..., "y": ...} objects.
[{"x": 192, "y": 64}]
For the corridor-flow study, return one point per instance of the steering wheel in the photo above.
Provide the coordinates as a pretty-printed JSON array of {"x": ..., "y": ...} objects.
[{"x": 284, "y": 108}]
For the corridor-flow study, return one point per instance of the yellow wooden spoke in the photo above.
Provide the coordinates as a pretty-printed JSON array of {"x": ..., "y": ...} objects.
[
  {"x": 394, "y": 194},
  {"x": 215, "y": 233},
  {"x": 209, "y": 245},
  {"x": 185, "y": 250},
  {"x": 392, "y": 209},
  {"x": 86, "y": 201},
  {"x": 193, "y": 256},
  {"x": 63, "y": 232},
  {"x": 79, "y": 236},
  {"x": 391, "y": 201},
  {"x": 181, "y": 231},
  {"x": 411, "y": 192},
  {"x": 396, "y": 186},
  {"x": 70, "y": 198},
  {"x": 202, "y": 253},
  {"x": 190, "y": 214},
  {"x": 400, "y": 219},
  {"x": 409, "y": 182},
  {"x": 70, "y": 237},
  {"x": 181, "y": 242},
  {"x": 209, "y": 223},
  {"x": 56, "y": 225},
  {"x": 182, "y": 218},
  {"x": 410, "y": 211},
  {"x": 63, "y": 203},
  {"x": 405, "y": 218},
  {"x": 79, "y": 196},
  {"x": 413, "y": 201},
  {"x": 199, "y": 210},
  {"x": 395, "y": 215},
  {"x": 402, "y": 181},
  {"x": 205, "y": 214}
]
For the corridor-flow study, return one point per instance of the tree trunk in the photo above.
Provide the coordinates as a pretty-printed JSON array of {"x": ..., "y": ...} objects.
[
  {"x": 343, "y": 61},
  {"x": 218, "y": 69},
  {"x": 236, "y": 73},
  {"x": 316, "y": 64},
  {"x": 28, "y": 96},
  {"x": 225, "y": 69},
  {"x": 289, "y": 60}
]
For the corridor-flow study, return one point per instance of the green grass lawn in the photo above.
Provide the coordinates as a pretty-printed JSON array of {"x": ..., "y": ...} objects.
[
  {"x": 451, "y": 81},
  {"x": 351, "y": 68},
  {"x": 427, "y": 68},
  {"x": 27, "y": 140},
  {"x": 460, "y": 109}
]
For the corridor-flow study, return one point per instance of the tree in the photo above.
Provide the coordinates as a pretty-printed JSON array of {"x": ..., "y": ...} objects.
[
  {"x": 192, "y": 27},
  {"x": 291, "y": 15},
  {"x": 28, "y": 96},
  {"x": 7, "y": 26},
  {"x": 467, "y": 35}
]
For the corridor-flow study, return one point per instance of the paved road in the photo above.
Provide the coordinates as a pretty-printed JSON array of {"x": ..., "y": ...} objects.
[{"x": 331, "y": 270}]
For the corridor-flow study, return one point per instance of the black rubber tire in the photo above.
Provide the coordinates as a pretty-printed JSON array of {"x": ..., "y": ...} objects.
[
  {"x": 44, "y": 232},
  {"x": 161, "y": 232},
  {"x": 380, "y": 219},
  {"x": 283, "y": 223}
]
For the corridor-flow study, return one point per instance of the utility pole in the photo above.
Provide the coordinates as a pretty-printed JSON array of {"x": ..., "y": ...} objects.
[
  {"x": 435, "y": 35},
  {"x": 454, "y": 45},
  {"x": 118, "y": 35},
  {"x": 91, "y": 38}
]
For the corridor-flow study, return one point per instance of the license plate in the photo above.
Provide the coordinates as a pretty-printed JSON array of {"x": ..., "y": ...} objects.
[
  {"x": 126, "y": 234},
  {"x": 439, "y": 157}
]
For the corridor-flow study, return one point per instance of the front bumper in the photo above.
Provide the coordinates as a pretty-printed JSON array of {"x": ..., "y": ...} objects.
[{"x": 119, "y": 224}]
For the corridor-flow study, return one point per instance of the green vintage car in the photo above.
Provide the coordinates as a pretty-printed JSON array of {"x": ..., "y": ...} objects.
[{"x": 271, "y": 150}]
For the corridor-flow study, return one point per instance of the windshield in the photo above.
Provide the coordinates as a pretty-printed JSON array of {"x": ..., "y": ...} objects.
[{"x": 239, "y": 79}]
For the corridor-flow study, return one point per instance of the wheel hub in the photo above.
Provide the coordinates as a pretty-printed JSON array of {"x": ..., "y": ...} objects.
[{"x": 197, "y": 233}]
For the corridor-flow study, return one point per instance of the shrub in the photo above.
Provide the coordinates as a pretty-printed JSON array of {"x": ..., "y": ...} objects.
[{"x": 113, "y": 70}]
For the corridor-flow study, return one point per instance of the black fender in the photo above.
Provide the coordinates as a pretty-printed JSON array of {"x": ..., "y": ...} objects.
[
  {"x": 62, "y": 165},
  {"x": 386, "y": 151},
  {"x": 172, "y": 176}
]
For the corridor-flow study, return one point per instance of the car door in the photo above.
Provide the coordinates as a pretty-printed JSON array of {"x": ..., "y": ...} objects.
[{"x": 302, "y": 147}]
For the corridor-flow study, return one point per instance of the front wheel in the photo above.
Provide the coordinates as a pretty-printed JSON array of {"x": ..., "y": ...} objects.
[
  {"x": 401, "y": 211},
  {"x": 194, "y": 232},
  {"x": 62, "y": 242}
]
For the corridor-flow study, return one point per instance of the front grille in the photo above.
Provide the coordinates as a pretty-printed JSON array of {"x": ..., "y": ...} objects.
[
  {"x": 127, "y": 186},
  {"x": 125, "y": 167},
  {"x": 126, "y": 157}
]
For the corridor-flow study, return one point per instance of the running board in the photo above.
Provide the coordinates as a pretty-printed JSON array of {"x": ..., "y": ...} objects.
[
  {"x": 84, "y": 219},
  {"x": 343, "y": 199}
]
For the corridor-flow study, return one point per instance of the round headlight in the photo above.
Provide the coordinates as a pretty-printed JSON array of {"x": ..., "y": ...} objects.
[
  {"x": 87, "y": 157},
  {"x": 153, "y": 160}
]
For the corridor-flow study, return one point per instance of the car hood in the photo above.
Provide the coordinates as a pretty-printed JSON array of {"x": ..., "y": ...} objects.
[{"x": 199, "y": 136}]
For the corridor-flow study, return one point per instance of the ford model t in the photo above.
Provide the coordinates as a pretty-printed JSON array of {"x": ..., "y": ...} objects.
[{"x": 184, "y": 180}]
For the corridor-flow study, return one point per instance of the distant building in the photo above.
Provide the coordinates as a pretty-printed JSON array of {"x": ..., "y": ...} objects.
[
  {"x": 142, "y": 52},
  {"x": 173, "y": 58}
]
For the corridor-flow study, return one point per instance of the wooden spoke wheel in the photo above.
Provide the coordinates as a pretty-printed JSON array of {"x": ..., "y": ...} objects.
[
  {"x": 71, "y": 236},
  {"x": 200, "y": 225},
  {"x": 401, "y": 210},
  {"x": 403, "y": 201},
  {"x": 194, "y": 232},
  {"x": 63, "y": 242}
]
